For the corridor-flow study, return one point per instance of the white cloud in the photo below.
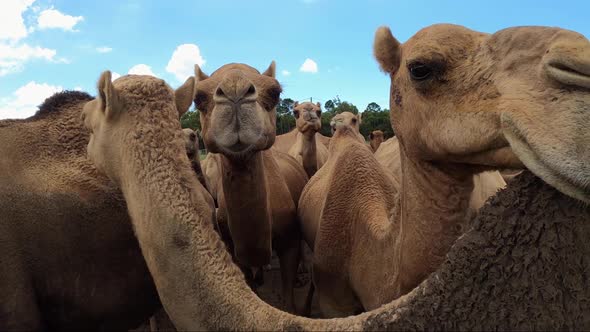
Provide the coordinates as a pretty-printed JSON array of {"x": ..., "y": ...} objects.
[
  {"x": 285, "y": 72},
  {"x": 13, "y": 57},
  {"x": 183, "y": 60},
  {"x": 12, "y": 24},
  {"x": 54, "y": 19},
  {"x": 141, "y": 69},
  {"x": 24, "y": 101},
  {"x": 309, "y": 66},
  {"x": 104, "y": 49},
  {"x": 115, "y": 75},
  {"x": 78, "y": 88}
]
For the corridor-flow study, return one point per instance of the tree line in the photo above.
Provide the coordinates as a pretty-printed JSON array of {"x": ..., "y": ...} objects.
[{"x": 373, "y": 117}]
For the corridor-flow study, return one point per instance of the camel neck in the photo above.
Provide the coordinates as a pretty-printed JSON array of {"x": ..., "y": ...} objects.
[
  {"x": 245, "y": 190},
  {"x": 194, "y": 274},
  {"x": 434, "y": 205},
  {"x": 309, "y": 153}
]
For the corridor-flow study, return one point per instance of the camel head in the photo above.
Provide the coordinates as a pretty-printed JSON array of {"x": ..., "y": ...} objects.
[
  {"x": 518, "y": 97},
  {"x": 238, "y": 109},
  {"x": 121, "y": 107},
  {"x": 376, "y": 137},
  {"x": 308, "y": 117},
  {"x": 191, "y": 142},
  {"x": 347, "y": 118}
]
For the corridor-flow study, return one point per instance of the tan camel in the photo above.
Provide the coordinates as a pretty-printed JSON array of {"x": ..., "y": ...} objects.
[
  {"x": 485, "y": 184},
  {"x": 308, "y": 149},
  {"x": 70, "y": 257},
  {"x": 448, "y": 130},
  {"x": 349, "y": 119},
  {"x": 284, "y": 142},
  {"x": 376, "y": 137},
  {"x": 191, "y": 142},
  {"x": 237, "y": 106},
  {"x": 516, "y": 244}
]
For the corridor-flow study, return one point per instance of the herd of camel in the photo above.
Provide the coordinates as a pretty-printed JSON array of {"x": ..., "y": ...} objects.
[{"x": 107, "y": 214}]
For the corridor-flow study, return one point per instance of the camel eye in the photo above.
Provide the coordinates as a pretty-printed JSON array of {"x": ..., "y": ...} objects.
[
  {"x": 354, "y": 120},
  {"x": 296, "y": 113},
  {"x": 420, "y": 71},
  {"x": 201, "y": 101}
]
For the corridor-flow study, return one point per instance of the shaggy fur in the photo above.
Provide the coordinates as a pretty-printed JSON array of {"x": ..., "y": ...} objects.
[
  {"x": 523, "y": 266},
  {"x": 70, "y": 259}
]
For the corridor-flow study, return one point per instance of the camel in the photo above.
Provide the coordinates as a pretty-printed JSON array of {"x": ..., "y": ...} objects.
[
  {"x": 376, "y": 137},
  {"x": 518, "y": 267},
  {"x": 70, "y": 257},
  {"x": 448, "y": 131},
  {"x": 238, "y": 113},
  {"x": 308, "y": 149},
  {"x": 485, "y": 184},
  {"x": 284, "y": 142},
  {"x": 349, "y": 119},
  {"x": 191, "y": 142}
]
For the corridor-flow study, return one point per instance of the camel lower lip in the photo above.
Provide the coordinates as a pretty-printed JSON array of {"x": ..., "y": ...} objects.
[
  {"x": 552, "y": 176},
  {"x": 568, "y": 76}
]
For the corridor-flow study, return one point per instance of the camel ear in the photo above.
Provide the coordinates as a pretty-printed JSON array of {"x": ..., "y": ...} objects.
[
  {"x": 109, "y": 99},
  {"x": 199, "y": 75},
  {"x": 386, "y": 50},
  {"x": 184, "y": 96},
  {"x": 318, "y": 105},
  {"x": 270, "y": 71},
  {"x": 295, "y": 104}
]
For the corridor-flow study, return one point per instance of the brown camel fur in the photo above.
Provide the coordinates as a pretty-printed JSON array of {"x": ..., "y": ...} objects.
[
  {"x": 71, "y": 259},
  {"x": 308, "y": 150},
  {"x": 238, "y": 110},
  {"x": 521, "y": 266},
  {"x": 376, "y": 137}
]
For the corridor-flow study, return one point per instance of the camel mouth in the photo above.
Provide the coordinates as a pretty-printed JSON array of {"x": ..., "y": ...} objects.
[
  {"x": 570, "y": 184},
  {"x": 568, "y": 73},
  {"x": 239, "y": 147}
]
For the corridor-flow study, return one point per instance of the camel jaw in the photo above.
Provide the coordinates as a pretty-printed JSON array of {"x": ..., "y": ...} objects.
[{"x": 568, "y": 184}]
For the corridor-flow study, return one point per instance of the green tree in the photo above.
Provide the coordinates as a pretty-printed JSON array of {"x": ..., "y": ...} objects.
[
  {"x": 285, "y": 119},
  {"x": 373, "y": 107},
  {"x": 375, "y": 118},
  {"x": 191, "y": 119}
]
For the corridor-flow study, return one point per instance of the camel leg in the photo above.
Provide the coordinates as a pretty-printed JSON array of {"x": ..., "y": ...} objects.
[
  {"x": 335, "y": 297},
  {"x": 289, "y": 252}
]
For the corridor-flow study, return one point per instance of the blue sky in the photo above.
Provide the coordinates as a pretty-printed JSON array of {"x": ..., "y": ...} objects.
[{"x": 47, "y": 45}]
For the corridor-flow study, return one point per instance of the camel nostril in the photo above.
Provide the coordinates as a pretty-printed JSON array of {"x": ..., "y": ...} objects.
[
  {"x": 219, "y": 92},
  {"x": 251, "y": 91}
]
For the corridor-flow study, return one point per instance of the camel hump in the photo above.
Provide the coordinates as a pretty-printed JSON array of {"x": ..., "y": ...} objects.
[{"x": 59, "y": 100}]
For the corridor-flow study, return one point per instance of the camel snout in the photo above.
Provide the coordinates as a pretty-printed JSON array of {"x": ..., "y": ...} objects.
[
  {"x": 235, "y": 87},
  {"x": 569, "y": 63}
]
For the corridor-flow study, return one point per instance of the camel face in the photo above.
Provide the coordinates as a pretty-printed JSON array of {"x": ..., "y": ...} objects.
[
  {"x": 121, "y": 105},
  {"x": 348, "y": 119},
  {"x": 519, "y": 96},
  {"x": 376, "y": 137},
  {"x": 308, "y": 117},
  {"x": 238, "y": 109},
  {"x": 191, "y": 143}
]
